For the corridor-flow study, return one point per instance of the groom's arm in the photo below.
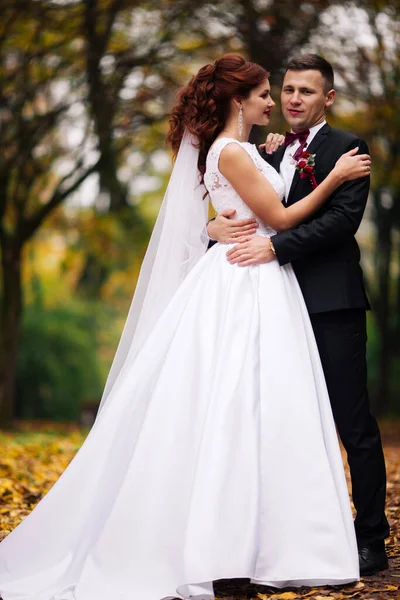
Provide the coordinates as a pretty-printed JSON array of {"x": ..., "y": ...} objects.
[{"x": 341, "y": 218}]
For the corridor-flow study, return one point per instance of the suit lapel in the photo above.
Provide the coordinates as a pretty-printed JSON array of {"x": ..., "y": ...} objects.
[
  {"x": 320, "y": 137},
  {"x": 295, "y": 181}
]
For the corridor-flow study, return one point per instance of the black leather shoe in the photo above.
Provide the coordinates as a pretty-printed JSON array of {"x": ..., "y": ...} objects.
[{"x": 372, "y": 560}]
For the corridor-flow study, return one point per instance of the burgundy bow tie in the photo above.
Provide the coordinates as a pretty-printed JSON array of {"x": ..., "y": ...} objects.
[{"x": 292, "y": 137}]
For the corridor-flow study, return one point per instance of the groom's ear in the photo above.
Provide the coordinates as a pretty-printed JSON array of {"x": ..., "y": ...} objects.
[{"x": 330, "y": 98}]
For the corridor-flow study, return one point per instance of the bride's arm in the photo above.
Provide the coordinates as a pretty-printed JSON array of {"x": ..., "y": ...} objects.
[{"x": 259, "y": 195}]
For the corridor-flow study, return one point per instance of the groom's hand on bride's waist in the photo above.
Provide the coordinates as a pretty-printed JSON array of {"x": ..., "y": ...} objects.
[
  {"x": 226, "y": 230},
  {"x": 254, "y": 250}
]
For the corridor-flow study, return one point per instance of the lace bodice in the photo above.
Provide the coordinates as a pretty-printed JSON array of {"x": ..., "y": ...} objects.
[{"x": 224, "y": 196}]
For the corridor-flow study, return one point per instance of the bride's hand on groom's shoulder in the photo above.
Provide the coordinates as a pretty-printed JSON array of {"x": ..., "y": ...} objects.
[
  {"x": 226, "y": 230},
  {"x": 254, "y": 250},
  {"x": 352, "y": 166},
  {"x": 272, "y": 143}
]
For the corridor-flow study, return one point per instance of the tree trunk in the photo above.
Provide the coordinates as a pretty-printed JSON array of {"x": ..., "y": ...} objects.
[
  {"x": 102, "y": 103},
  {"x": 384, "y": 223},
  {"x": 396, "y": 329},
  {"x": 10, "y": 326}
]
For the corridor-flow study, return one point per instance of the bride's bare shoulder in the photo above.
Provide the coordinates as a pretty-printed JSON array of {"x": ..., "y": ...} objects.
[
  {"x": 227, "y": 141},
  {"x": 234, "y": 153}
]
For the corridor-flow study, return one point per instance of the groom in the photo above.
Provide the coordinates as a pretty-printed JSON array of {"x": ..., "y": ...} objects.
[{"x": 325, "y": 257}]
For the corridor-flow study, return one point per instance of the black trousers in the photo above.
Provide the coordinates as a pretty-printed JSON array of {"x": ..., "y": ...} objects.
[{"x": 341, "y": 338}]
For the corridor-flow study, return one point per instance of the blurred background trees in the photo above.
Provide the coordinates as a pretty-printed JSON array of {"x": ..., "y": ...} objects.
[{"x": 85, "y": 91}]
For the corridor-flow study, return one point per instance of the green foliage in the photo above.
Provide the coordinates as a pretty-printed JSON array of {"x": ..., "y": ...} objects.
[
  {"x": 392, "y": 406},
  {"x": 58, "y": 365}
]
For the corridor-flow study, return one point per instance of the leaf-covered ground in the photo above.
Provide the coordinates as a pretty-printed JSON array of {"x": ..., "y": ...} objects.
[{"x": 32, "y": 459}]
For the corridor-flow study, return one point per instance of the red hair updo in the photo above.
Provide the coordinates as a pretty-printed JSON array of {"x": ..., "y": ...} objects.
[{"x": 203, "y": 105}]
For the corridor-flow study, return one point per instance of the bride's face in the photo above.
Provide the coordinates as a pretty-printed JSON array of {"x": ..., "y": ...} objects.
[{"x": 257, "y": 107}]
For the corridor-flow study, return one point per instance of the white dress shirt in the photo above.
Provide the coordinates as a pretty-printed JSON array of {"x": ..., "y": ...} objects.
[{"x": 287, "y": 167}]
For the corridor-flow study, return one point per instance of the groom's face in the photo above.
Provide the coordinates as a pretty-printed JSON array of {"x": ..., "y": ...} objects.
[{"x": 304, "y": 99}]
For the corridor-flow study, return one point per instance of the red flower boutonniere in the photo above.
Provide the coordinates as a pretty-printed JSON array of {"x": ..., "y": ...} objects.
[{"x": 305, "y": 165}]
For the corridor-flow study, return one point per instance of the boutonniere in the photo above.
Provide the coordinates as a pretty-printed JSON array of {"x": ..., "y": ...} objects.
[{"x": 305, "y": 165}]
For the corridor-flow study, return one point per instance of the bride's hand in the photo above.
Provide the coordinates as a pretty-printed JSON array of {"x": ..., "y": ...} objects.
[
  {"x": 272, "y": 143},
  {"x": 352, "y": 165}
]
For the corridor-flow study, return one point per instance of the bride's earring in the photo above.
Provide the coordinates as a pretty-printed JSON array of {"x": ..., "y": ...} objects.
[{"x": 240, "y": 121}]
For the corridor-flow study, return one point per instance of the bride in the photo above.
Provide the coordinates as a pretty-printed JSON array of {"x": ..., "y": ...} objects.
[{"x": 214, "y": 454}]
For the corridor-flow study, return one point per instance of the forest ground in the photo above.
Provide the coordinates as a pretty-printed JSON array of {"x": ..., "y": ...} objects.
[{"x": 35, "y": 455}]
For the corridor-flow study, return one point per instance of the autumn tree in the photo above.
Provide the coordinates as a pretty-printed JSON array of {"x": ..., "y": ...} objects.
[
  {"x": 37, "y": 57},
  {"x": 57, "y": 57},
  {"x": 130, "y": 55}
]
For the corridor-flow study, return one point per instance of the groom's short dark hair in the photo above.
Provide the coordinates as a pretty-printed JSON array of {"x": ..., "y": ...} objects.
[{"x": 306, "y": 62}]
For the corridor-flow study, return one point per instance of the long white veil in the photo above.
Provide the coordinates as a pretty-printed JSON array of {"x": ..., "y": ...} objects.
[{"x": 176, "y": 244}]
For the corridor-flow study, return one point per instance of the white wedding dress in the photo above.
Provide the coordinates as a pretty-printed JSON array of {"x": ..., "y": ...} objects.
[{"x": 216, "y": 458}]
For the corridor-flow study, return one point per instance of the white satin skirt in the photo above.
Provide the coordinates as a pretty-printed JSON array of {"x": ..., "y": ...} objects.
[{"x": 216, "y": 458}]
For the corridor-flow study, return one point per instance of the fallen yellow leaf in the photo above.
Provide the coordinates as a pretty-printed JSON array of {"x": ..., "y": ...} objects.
[
  {"x": 283, "y": 596},
  {"x": 359, "y": 585}
]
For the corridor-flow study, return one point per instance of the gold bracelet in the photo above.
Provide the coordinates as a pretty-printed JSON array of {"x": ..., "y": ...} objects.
[{"x": 272, "y": 247}]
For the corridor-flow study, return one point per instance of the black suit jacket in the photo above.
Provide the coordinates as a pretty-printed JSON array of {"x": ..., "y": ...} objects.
[{"x": 323, "y": 251}]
